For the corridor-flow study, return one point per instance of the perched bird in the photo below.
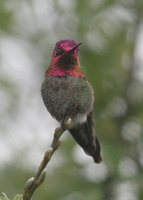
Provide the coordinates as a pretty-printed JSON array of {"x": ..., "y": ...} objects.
[{"x": 68, "y": 96}]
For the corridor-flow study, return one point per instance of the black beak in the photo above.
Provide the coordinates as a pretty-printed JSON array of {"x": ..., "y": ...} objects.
[{"x": 72, "y": 50}]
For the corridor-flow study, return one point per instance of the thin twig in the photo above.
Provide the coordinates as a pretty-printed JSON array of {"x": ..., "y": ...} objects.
[{"x": 34, "y": 182}]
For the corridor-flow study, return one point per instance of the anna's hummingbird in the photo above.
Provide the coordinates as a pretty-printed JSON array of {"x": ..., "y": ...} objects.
[{"x": 67, "y": 95}]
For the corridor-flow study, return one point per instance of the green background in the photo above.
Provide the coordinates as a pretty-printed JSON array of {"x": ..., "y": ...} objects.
[{"x": 110, "y": 32}]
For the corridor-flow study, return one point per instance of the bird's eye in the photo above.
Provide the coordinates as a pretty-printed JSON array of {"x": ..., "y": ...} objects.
[{"x": 58, "y": 52}]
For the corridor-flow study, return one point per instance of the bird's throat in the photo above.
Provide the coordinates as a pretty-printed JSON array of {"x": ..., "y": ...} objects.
[{"x": 62, "y": 71}]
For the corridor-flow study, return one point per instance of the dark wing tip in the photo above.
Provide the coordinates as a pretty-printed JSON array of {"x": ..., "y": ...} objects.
[
  {"x": 97, "y": 158},
  {"x": 97, "y": 155}
]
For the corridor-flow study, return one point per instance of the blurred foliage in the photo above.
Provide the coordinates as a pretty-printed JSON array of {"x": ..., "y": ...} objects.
[
  {"x": 109, "y": 32},
  {"x": 4, "y": 197},
  {"x": 6, "y": 17}
]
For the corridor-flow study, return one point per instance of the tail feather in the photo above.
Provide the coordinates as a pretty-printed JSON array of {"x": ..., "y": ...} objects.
[
  {"x": 85, "y": 136},
  {"x": 97, "y": 156}
]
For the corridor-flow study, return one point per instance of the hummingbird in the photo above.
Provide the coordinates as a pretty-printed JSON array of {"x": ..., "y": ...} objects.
[{"x": 68, "y": 96}]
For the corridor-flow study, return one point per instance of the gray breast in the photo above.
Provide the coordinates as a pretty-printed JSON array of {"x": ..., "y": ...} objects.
[{"x": 67, "y": 96}]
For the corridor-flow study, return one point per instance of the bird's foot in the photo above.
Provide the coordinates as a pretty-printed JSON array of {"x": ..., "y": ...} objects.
[{"x": 67, "y": 124}]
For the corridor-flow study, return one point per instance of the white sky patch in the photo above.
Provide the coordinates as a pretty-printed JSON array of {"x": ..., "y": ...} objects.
[
  {"x": 125, "y": 191},
  {"x": 128, "y": 167},
  {"x": 93, "y": 172},
  {"x": 139, "y": 55},
  {"x": 5, "y": 152},
  {"x": 32, "y": 125},
  {"x": 131, "y": 131},
  {"x": 67, "y": 4},
  {"x": 79, "y": 155},
  {"x": 16, "y": 65}
]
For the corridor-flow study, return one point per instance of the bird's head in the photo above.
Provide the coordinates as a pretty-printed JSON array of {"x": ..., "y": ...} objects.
[
  {"x": 65, "y": 53},
  {"x": 65, "y": 60}
]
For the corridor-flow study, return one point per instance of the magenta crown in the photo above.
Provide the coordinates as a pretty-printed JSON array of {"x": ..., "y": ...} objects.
[{"x": 66, "y": 45}]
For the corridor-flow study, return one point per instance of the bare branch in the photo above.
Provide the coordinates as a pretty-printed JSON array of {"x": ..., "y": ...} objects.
[{"x": 34, "y": 182}]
